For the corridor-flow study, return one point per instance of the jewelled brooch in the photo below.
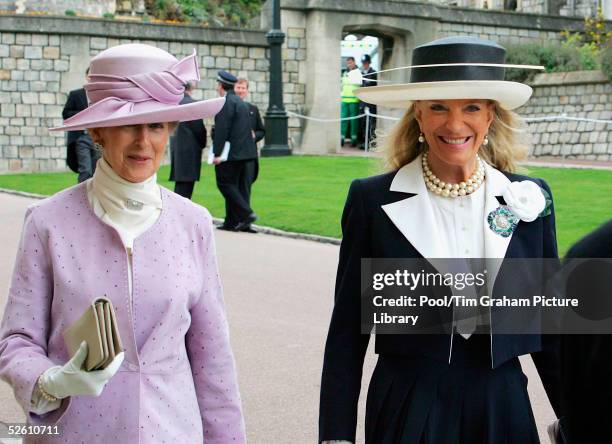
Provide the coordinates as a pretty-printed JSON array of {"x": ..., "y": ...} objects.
[{"x": 502, "y": 221}]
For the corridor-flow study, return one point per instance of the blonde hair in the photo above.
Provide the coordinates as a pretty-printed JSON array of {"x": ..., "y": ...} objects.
[{"x": 508, "y": 142}]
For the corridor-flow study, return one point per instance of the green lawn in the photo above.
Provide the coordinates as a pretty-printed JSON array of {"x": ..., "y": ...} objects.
[{"x": 306, "y": 194}]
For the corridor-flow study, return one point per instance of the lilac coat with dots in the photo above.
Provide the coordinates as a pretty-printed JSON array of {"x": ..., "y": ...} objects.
[{"x": 178, "y": 382}]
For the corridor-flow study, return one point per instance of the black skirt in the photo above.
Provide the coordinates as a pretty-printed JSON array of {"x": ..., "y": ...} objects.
[{"x": 425, "y": 401}]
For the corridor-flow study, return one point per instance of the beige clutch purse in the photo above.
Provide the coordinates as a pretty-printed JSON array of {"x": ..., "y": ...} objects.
[{"x": 98, "y": 327}]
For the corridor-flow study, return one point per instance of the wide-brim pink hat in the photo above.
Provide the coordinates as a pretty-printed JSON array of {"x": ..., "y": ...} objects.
[{"x": 135, "y": 84}]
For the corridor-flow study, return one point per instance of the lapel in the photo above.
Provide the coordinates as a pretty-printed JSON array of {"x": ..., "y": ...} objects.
[
  {"x": 414, "y": 215},
  {"x": 496, "y": 246}
]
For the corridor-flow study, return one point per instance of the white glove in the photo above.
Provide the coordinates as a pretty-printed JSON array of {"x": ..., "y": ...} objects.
[{"x": 71, "y": 380}]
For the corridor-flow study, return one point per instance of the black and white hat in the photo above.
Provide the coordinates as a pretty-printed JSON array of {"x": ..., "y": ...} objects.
[{"x": 453, "y": 68}]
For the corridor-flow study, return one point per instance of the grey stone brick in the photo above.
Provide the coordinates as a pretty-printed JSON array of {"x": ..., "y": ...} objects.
[
  {"x": 217, "y": 50},
  {"x": 26, "y": 130},
  {"x": 42, "y": 152},
  {"x": 261, "y": 65},
  {"x": 40, "y": 39},
  {"x": 248, "y": 64},
  {"x": 9, "y": 152},
  {"x": 24, "y": 65},
  {"x": 257, "y": 53},
  {"x": 38, "y": 110},
  {"x": 47, "y": 98},
  {"x": 56, "y": 153},
  {"x": 235, "y": 63},
  {"x": 38, "y": 86},
  {"x": 29, "y": 97},
  {"x": 230, "y": 51},
  {"x": 23, "y": 110},
  {"x": 293, "y": 43},
  {"x": 23, "y": 39},
  {"x": 222, "y": 62},
  {"x": 9, "y": 85},
  {"x": 16, "y": 75},
  {"x": 554, "y": 138},
  {"x": 33, "y": 52},
  {"x": 4, "y": 51},
  {"x": 242, "y": 52},
  {"x": 98, "y": 43},
  {"x": 61, "y": 65},
  {"x": 296, "y": 32},
  {"x": 8, "y": 38},
  {"x": 54, "y": 40},
  {"x": 17, "y": 141},
  {"x": 291, "y": 66},
  {"x": 203, "y": 50},
  {"x": 208, "y": 61},
  {"x": 9, "y": 63},
  {"x": 600, "y": 148},
  {"x": 584, "y": 137},
  {"x": 22, "y": 85},
  {"x": 50, "y": 76}
]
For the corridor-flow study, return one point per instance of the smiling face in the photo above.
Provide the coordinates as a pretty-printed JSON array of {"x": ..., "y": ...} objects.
[
  {"x": 241, "y": 89},
  {"x": 134, "y": 152},
  {"x": 454, "y": 131}
]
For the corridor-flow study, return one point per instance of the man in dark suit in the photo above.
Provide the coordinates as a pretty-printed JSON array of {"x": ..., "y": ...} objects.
[
  {"x": 258, "y": 131},
  {"x": 186, "y": 147},
  {"x": 235, "y": 155},
  {"x": 81, "y": 156},
  {"x": 586, "y": 372},
  {"x": 369, "y": 79}
]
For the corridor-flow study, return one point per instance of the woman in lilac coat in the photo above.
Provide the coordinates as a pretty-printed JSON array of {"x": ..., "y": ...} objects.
[{"x": 148, "y": 250}]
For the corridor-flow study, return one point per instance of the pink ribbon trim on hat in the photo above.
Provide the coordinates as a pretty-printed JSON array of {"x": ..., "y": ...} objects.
[{"x": 115, "y": 96}]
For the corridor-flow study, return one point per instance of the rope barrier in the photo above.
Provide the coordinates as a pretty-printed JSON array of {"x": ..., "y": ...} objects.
[{"x": 380, "y": 116}]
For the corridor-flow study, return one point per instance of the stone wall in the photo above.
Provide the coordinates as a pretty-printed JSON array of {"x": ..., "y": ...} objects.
[
  {"x": 501, "y": 34},
  {"x": 94, "y": 8},
  {"x": 586, "y": 94},
  {"x": 43, "y": 58}
]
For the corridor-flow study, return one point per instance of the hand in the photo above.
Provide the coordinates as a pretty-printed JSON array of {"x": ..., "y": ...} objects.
[
  {"x": 253, "y": 134},
  {"x": 217, "y": 160},
  {"x": 71, "y": 380}
]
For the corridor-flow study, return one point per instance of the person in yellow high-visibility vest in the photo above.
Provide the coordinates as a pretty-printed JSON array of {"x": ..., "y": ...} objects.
[{"x": 349, "y": 104}]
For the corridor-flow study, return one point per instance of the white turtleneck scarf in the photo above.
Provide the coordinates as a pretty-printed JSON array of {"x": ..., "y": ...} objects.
[{"x": 131, "y": 209}]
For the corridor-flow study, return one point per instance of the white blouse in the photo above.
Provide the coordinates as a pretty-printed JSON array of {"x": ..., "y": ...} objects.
[{"x": 461, "y": 228}]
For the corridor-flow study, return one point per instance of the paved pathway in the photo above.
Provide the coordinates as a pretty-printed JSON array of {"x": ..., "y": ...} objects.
[{"x": 279, "y": 298}]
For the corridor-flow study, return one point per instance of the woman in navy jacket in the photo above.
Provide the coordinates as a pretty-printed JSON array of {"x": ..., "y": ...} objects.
[{"x": 451, "y": 193}]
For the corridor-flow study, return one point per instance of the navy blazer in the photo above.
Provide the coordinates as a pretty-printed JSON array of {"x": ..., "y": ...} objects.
[{"x": 370, "y": 232}]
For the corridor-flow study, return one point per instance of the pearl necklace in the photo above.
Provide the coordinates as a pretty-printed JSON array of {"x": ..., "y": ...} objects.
[{"x": 441, "y": 188}]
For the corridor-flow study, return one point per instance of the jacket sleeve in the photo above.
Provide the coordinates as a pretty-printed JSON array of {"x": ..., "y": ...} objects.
[
  {"x": 71, "y": 107},
  {"x": 25, "y": 325},
  {"x": 211, "y": 358},
  {"x": 548, "y": 360},
  {"x": 223, "y": 125},
  {"x": 346, "y": 345},
  {"x": 260, "y": 129}
]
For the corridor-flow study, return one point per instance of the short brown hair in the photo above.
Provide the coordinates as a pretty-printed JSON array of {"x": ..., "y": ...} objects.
[{"x": 243, "y": 80}]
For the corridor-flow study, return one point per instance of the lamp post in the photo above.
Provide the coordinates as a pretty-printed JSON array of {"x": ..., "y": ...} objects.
[{"x": 276, "y": 117}]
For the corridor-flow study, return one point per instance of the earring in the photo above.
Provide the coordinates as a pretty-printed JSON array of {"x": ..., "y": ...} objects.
[
  {"x": 98, "y": 147},
  {"x": 485, "y": 142},
  {"x": 421, "y": 138}
]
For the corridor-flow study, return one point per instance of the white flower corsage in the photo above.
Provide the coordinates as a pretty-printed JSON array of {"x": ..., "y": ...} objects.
[{"x": 525, "y": 201}]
